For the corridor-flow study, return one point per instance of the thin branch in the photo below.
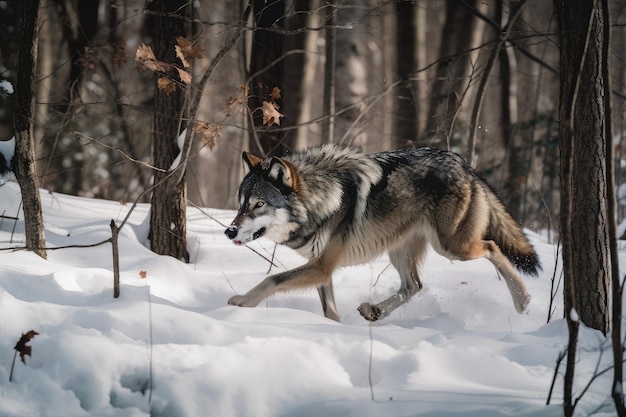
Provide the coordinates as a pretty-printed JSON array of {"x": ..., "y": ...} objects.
[{"x": 482, "y": 88}]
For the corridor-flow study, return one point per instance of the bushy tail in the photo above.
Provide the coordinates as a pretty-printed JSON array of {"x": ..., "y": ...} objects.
[{"x": 509, "y": 237}]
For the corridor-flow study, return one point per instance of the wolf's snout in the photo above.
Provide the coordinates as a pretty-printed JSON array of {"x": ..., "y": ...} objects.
[{"x": 231, "y": 232}]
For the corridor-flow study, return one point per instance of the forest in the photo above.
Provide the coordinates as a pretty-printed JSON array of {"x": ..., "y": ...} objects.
[
  {"x": 398, "y": 74},
  {"x": 154, "y": 101}
]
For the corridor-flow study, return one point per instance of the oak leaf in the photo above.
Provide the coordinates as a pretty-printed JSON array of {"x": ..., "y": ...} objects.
[
  {"x": 270, "y": 114},
  {"x": 186, "y": 51},
  {"x": 275, "y": 94},
  {"x": 143, "y": 274},
  {"x": 166, "y": 85},
  {"x": 146, "y": 57},
  {"x": 185, "y": 76},
  {"x": 209, "y": 133},
  {"x": 22, "y": 347}
]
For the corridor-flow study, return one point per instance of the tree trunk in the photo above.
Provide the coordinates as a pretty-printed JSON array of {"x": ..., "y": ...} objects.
[
  {"x": 452, "y": 71},
  {"x": 24, "y": 159},
  {"x": 350, "y": 74},
  {"x": 584, "y": 140},
  {"x": 591, "y": 265},
  {"x": 406, "y": 117},
  {"x": 299, "y": 71},
  {"x": 328, "y": 106},
  {"x": 517, "y": 165},
  {"x": 168, "y": 221},
  {"x": 266, "y": 70}
]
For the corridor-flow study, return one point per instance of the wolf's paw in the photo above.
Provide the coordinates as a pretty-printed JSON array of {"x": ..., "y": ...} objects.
[
  {"x": 370, "y": 312},
  {"x": 241, "y": 301}
]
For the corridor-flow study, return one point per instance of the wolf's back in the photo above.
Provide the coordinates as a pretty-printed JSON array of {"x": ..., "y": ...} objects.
[{"x": 509, "y": 237}]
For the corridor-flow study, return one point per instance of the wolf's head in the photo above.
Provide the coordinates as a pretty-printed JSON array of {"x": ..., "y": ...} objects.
[{"x": 265, "y": 207}]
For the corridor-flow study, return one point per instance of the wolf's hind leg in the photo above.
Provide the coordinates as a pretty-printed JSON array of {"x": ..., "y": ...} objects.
[
  {"x": 327, "y": 297},
  {"x": 488, "y": 249},
  {"x": 405, "y": 259}
]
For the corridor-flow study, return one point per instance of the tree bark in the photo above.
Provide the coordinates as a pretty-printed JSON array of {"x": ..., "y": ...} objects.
[
  {"x": 168, "y": 220},
  {"x": 350, "y": 74},
  {"x": 328, "y": 106},
  {"x": 24, "y": 159},
  {"x": 592, "y": 266},
  {"x": 584, "y": 139},
  {"x": 266, "y": 70},
  {"x": 406, "y": 116},
  {"x": 517, "y": 166},
  {"x": 452, "y": 71}
]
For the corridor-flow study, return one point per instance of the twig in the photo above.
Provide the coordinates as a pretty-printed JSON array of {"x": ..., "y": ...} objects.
[
  {"x": 482, "y": 89},
  {"x": 12, "y": 366},
  {"x": 371, "y": 360},
  {"x": 116, "y": 260},
  {"x": 150, "y": 374},
  {"x": 556, "y": 371}
]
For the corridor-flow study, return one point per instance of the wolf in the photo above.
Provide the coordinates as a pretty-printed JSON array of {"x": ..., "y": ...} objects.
[{"x": 337, "y": 207}]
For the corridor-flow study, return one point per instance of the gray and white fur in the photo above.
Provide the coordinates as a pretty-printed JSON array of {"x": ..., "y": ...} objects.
[{"x": 338, "y": 207}]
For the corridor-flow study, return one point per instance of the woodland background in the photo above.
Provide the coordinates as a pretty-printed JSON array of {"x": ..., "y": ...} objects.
[{"x": 404, "y": 74}]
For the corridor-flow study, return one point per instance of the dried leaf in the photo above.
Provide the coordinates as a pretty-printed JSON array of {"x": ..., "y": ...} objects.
[
  {"x": 187, "y": 49},
  {"x": 180, "y": 55},
  {"x": 166, "y": 85},
  {"x": 275, "y": 94},
  {"x": 270, "y": 114},
  {"x": 22, "y": 348},
  {"x": 119, "y": 54},
  {"x": 146, "y": 57},
  {"x": 143, "y": 274},
  {"x": 184, "y": 76},
  {"x": 209, "y": 133},
  {"x": 144, "y": 53}
]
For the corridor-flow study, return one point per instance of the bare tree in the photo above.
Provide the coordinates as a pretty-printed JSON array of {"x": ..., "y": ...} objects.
[
  {"x": 585, "y": 136},
  {"x": 452, "y": 71},
  {"x": 266, "y": 72},
  {"x": 24, "y": 158},
  {"x": 350, "y": 74},
  {"x": 406, "y": 115},
  {"x": 168, "y": 220}
]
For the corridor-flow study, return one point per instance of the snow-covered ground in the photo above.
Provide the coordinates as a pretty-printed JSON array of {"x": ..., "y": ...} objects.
[{"x": 171, "y": 346}]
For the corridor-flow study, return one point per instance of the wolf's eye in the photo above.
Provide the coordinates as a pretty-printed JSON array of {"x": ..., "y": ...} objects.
[{"x": 259, "y": 204}]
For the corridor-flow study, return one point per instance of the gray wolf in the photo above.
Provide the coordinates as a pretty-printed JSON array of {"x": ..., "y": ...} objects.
[{"x": 338, "y": 207}]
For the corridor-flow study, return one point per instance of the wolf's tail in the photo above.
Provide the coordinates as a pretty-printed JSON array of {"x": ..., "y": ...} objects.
[{"x": 509, "y": 237}]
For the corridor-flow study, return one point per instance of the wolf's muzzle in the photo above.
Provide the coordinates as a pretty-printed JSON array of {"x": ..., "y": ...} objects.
[{"x": 231, "y": 232}]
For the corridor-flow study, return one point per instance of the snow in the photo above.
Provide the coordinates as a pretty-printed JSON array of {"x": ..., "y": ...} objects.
[{"x": 171, "y": 346}]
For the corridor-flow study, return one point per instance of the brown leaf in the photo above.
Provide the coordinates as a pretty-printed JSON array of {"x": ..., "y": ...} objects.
[
  {"x": 166, "y": 85},
  {"x": 144, "y": 53},
  {"x": 143, "y": 274},
  {"x": 209, "y": 133},
  {"x": 275, "y": 94},
  {"x": 146, "y": 57},
  {"x": 22, "y": 348},
  {"x": 119, "y": 54},
  {"x": 184, "y": 76},
  {"x": 186, "y": 51},
  {"x": 270, "y": 114},
  {"x": 181, "y": 55}
]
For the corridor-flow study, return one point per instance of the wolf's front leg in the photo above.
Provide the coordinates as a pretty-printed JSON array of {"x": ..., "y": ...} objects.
[{"x": 312, "y": 274}]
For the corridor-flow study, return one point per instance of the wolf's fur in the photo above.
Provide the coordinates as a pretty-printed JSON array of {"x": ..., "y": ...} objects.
[{"x": 339, "y": 207}]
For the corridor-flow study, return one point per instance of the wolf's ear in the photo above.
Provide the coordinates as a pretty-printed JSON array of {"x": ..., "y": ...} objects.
[
  {"x": 250, "y": 161},
  {"x": 283, "y": 172}
]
